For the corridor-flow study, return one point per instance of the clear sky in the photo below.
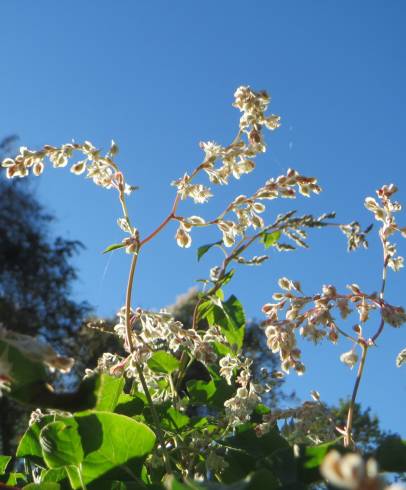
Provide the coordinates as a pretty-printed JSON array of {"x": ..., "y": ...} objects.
[{"x": 158, "y": 77}]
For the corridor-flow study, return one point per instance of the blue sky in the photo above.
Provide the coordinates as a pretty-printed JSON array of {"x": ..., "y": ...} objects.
[{"x": 158, "y": 77}]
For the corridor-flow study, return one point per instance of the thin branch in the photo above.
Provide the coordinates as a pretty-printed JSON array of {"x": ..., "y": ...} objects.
[
  {"x": 128, "y": 332},
  {"x": 170, "y": 216},
  {"x": 348, "y": 441}
]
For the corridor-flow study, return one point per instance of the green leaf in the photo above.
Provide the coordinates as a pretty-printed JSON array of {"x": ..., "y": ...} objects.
[
  {"x": 226, "y": 278},
  {"x": 163, "y": 362},
  {"x": 212, "y": 393},
  {"x": 109, "y": 389},
  {"x": 229, "y": 316},
  {"x": 205, "y": 248},
  {"x": 114, "y": 246},
  {"x": 270, "y": 239},
  {"x": 314, "y": 455},
  {"x": 54, "y": 475},
  {"x": 13, "y": 479},
  {"x": 222, "y": 349},
  {"x": 92, "y": 444},
  {"x": 174, "y": 420},
  {"x": 61, "y": 444},
  {"x": 29, "y": 446},
  {"x": 201, "y": 391},
  {"x": 234, "y": 330},
  {"x": 131, "y": 405},
  {"x": 4, "y": 461},
  {"x": 310, "y": 458},
  {"x": 391, "y": 455},
  {"x": 75, "y": 476},
  {"x": 113, "y": 444}
]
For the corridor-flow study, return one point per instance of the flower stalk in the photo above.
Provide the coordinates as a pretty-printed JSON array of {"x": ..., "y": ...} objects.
[{"x": 348, "y": 440}]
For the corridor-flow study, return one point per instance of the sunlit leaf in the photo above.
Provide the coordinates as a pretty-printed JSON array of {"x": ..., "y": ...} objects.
[
  {"x": 113, "y": 443},
  {"x": 114, "y": 246},
  {"x": 163, "y": 362},
  {"x": 270, "y": 239},
  {"x": 205, "y": 248},
  {"x": 4, "y": 461},
  {"x": 109, "y": 389},
  {"x": 61, "y": 444}
]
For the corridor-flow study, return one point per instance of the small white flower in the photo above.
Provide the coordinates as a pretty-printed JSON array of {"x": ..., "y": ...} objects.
[
  {"x": 79, "y": 167},
  {"x": 183, "y": 238},
  {"x": 349, "y": 358}
]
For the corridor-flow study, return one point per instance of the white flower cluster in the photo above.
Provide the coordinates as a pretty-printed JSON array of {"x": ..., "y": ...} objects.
[
  {"x": 317, "y": 322},
  {"x": 350, "y": 471},
  {"x": 159, "y": 329},
  {"x": 247, "y": 211},
  {"x": 239, "y": 408},
  {"x": 108, "y": 363},
  {"x": 198, "y": 192},
  {"x": 355, "y": 236},
  {"x": 253, "y": 106},
  {"x": 385, "y": 214},
  {"x": 101, "y": 169},
  {"x": 228, "y": 364},
  {"x": 235, "y": 159}
]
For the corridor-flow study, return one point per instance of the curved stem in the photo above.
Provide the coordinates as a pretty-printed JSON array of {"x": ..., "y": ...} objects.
[
  {"x": 379, "y": 331},
  {"x": 129, "y": 340},
  {"x": 381, "y": 297},
  {"x": 348, "y": 437},
  {"x": 345, "y": 334},
  {"x": 348, "y": 441}
]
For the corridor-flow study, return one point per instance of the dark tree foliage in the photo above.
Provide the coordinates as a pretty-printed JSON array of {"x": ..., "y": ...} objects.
[
  {"x": 35, "y": 272},
  {"x": 36, "y": 277}
]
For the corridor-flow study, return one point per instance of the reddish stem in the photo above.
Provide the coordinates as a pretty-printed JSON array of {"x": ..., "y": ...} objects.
[{"x": 170, "y": 216}]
